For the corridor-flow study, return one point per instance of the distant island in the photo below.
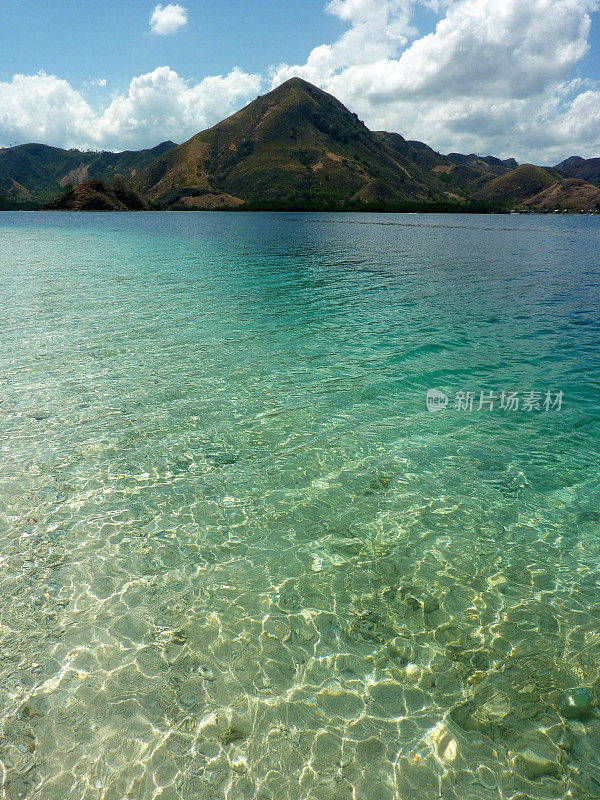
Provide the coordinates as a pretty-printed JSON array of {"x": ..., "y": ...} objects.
[{"x": 295, "y": 148}]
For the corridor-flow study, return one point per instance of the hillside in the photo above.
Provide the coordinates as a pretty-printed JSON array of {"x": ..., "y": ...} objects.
[
  {"x": 570, "y": 194},
  {"x": 488, "y": 163},
  {"x": 518, "y": 184},
  {"x": 586, "y": 169},
  {"x": 36, "y": 172},
  {"x": 463, "y": 175},
  {"x": 473, "y": 172},
  {"x": 295, "y": 144},
  {"x": 96, "y": 195}
]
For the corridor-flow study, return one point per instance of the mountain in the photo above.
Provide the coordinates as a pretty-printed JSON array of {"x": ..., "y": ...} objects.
[
  {"x": 586, "y": 169},
  {"x": 570, "y": 194},
  {"x": 96, "y": 195},
  {"x": 473, "y": 171},
  {"x": 518, "y": 184},
  {"x": 296, "y": 144},
  {"x": 295, "y": 147},
  {"x": 36, "y": 172}
]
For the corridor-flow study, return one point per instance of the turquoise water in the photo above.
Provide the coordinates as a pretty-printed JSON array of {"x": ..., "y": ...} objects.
[{"x": 239, "y": 558}]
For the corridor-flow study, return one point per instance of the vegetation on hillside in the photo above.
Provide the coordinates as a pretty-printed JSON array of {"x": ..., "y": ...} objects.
[
  {"x": 296, "y": 146},
  {"x": 586, "y": 169},
  {"x": 31, "y": 174},
  {"x": 571, "y": 194}
]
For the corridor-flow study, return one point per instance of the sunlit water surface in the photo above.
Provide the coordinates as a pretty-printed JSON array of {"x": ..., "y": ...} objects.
[{"x": 238, "y": 556}]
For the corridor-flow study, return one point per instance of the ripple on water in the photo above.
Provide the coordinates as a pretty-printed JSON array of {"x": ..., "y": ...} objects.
[{"x": 239, "y": 559}]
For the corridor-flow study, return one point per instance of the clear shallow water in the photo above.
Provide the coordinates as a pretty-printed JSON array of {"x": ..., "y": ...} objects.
[{"x": 240, "y": 559}]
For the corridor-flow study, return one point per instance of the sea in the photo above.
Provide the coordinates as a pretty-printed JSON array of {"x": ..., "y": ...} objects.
[{"x": 299, "y": 506}]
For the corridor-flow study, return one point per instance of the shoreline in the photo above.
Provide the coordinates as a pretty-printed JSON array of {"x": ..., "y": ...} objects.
[{"x": 287, "y": 210}]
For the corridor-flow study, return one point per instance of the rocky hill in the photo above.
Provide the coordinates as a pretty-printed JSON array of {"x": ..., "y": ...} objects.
[{"x": 96, "y": 195}]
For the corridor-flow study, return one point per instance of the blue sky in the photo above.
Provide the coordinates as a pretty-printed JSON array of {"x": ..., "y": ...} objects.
[
  {"x": 81, "y": 41},
  {"x": 509, "y": 77}
]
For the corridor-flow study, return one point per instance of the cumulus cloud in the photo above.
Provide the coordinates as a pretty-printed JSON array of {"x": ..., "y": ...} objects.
[
  {"x": 377, "y": 29},
  {"x": 493, "y": 76},
  {"x": 162, "y": 105},
  {"x": 43, "y": 108},
  {"x": 158, "y": 105},
  {"x": 168, "y": 19}
]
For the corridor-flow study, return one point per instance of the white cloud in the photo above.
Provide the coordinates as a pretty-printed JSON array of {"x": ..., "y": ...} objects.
[
  {"x": 158, "y": 105},
  {"x": 161, "y": 105},
  {"x": 168, "y": 19},
  {"x": 378, "y": 28},
  {"x": 492, "y": 77},
  {"x": 43, "y": 108}
]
